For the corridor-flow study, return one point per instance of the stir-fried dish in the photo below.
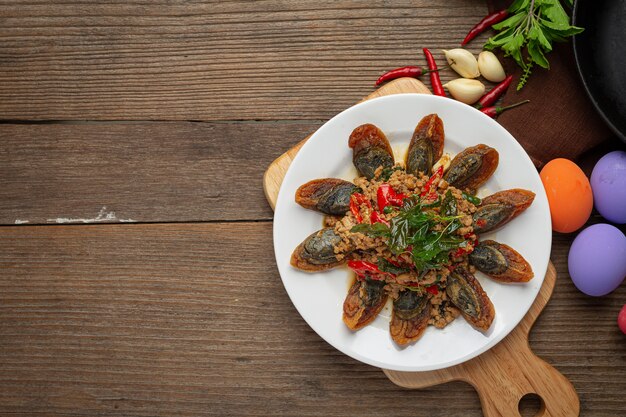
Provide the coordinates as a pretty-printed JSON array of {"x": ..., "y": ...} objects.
[{"x": 410, "y": 231}]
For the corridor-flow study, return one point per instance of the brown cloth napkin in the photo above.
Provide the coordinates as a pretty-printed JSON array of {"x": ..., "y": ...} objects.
[{"x": 559, "y": 121}]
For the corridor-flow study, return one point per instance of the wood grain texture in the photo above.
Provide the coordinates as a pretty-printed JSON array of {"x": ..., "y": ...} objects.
[
  {"x": 192, "y": 319},
  {"x": 145, "y": 172},
  {"x": 145, "y": 320},
  {"x": 212, "y": 60},
  {"x": 507, "y": 372},
  {"x": 275, "y": 173}
]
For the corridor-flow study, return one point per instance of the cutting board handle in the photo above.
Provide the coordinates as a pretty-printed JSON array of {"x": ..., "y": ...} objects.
[
  {"x": 505, "y": 373},
  {"x": 501, "y": 383}
]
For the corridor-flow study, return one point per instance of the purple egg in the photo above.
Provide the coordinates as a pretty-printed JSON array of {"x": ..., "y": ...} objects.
[
  {"x": 597, "y": 259},
  {"x": 608, "y": 182}
]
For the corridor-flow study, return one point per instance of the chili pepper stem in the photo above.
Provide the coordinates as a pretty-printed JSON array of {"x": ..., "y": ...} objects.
[
  {"x": 437, "y": 69},
  {"x": 501, "y": 109},
  {"x": 494, "y": 94},
  {"x": 495, "y": 111},
  {"x": 410, "y": 71}
]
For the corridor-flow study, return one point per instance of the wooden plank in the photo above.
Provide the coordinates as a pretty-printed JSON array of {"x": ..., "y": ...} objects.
[
  {"x": 144, "y": 320},
  {"x": 181, "y": 60},
  {"x": 144, "y": 172},
  {"x": 507, "y": 372},
  {"x": 275, "y": 173}
]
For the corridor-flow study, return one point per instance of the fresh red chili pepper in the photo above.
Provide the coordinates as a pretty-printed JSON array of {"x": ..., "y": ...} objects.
[
  {"x": 432, "y": 289},
  {"x": 481, "y": 222},
  {"x": 362, "y": 268},
  {"x": 495, "y": 111},
  {"x": 408, "y": 71},
  {"x": 376, "y": 217},
  {"x": 433, "y": 180},
  {"x": 484, "y": 24},
  {"x": 386, "y": 196},
  {"x": 435, "y": 81},
  {"x": 494, "y": 94},
  {"x": 356, "y": 199}
]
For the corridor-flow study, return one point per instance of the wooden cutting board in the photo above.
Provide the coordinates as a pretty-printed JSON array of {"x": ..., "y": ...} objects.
[{"x": 505, "y": 373}]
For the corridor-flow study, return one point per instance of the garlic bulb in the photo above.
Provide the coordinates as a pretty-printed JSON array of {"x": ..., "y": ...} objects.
[
  {"x": 466, "y": 91},
  {"x": 490, "y": 67},
  {"x": 463, "y": 62}
]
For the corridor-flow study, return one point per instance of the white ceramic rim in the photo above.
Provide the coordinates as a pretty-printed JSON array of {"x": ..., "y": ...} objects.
[{"x": 541, "y": 234}]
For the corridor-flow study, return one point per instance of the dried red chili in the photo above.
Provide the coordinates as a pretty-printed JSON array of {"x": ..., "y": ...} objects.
[
  {"x": 495, "y": 111},
  {"x": 435, "y": 81},
  {"x": 494, "y": 94},
  {"x": 484, "y": 24}
]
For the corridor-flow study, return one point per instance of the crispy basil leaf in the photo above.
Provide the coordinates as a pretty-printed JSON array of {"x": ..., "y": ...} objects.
[
  {"x": 371, "y": 230},
  {"x": 386, "y": 266}
]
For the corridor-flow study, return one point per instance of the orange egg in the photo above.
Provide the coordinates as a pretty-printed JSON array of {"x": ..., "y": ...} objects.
[{"x": 569, "y": 194}]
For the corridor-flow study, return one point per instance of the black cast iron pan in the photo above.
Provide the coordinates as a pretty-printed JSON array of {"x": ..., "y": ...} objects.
[{"x": 600, "y": 52}]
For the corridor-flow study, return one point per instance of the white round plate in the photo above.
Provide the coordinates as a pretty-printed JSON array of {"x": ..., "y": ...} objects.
[{"x": 319, "y": 296}]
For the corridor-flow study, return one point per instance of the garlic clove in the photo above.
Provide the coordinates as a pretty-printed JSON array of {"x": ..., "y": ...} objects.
[
  {"x": 465, "y": 90},
  {"x": 463, "y": 62},
  {"x": 444, "y": 161},
  {"x": 490, "y": 67}
]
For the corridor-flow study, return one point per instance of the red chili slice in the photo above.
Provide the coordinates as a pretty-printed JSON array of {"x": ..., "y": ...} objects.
[
  {"x": 376, "y": 217},
  {"x": 433, "y": 289},
  {"x": 387, "y": 196},
  {"x": 356, "y": 199},
  {"x": 436, "y": 177},
  {"x": 363, "y": 268}
]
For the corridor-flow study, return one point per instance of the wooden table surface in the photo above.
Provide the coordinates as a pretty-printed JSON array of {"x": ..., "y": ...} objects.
[{"x": 137, "y": 274}]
